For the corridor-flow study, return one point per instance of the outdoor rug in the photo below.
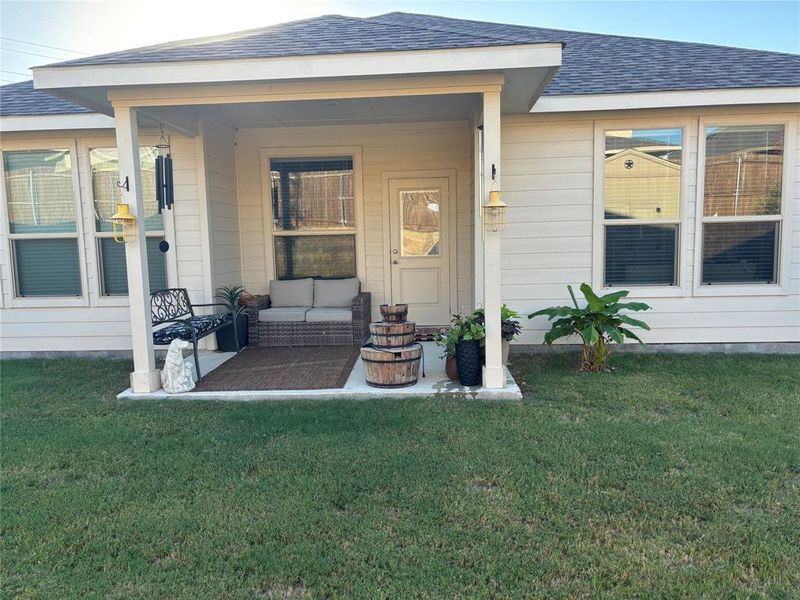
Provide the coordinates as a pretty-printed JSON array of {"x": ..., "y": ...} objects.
[{"x": 306, "y": 368}]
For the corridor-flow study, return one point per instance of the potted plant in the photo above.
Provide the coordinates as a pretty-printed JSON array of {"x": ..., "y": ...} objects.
[
  {"x": 510, "y": 327},
  {"x": 231, "y": 296},
  {"x": 469, "y": 333},
  {"x": 448, "y": 340},
  {"x": 597, "y": 324}
]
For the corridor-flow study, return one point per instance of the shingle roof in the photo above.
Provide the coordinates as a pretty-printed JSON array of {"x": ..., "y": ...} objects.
[
  {"x": 592, "y": 63},
  {"x": 595, "y": 63},
  {"x": 20, "y": 99}
]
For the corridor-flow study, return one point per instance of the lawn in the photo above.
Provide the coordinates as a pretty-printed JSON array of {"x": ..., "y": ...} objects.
[{"x": 674, "y": 476}]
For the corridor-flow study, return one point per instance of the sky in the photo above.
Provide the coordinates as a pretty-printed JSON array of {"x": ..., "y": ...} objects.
[{"x": 36, "y": 32}]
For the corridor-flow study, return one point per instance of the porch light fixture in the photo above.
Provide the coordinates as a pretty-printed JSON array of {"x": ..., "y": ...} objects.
[
  {"x": 124, "y": 224},
  {"x": 494, "y": 211}
]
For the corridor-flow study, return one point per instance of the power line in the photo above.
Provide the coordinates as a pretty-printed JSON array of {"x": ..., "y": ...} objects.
[
  {"x": 34, "y": 54},
  {"x": 15, "y": 73},
  {"x": 44, "y": 21},
  {"x": 2, "y": 37}
]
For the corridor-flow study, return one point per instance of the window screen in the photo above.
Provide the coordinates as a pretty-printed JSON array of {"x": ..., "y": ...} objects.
[
  {"x": 641, "y": 205},
  {"x": 114, "y": 269},
  {"x": 743, "y": 180}
]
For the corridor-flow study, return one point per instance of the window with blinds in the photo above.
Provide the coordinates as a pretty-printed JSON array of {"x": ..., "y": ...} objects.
[
  {"x": 642, "y": 171},
  {"x": 42, "y": 223},
  {"x": 104, "y": 163},
  {"x": 313, "y": 216},
  {"x": 742, "y": 204}
]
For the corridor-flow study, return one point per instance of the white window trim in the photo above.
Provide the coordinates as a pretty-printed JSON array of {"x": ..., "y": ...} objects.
[
  {"x": 266, "y": 155},
  {"x": 683, "y": 285},
  {"x": 782, "y": 287},
  {"x": 12, "y": 300},
  {"x": 85, "y": 145}
]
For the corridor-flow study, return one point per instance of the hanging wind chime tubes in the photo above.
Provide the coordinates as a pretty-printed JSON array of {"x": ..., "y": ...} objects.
[{"x": 165, "y": 195}]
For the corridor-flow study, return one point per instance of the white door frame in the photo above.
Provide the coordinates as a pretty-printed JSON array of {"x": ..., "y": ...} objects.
[{"x": 450, "y": 175}]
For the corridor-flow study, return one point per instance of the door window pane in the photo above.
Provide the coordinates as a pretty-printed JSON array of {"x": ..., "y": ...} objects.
[
  {"x": 740, "y": 252},
  {"x": 39, "y": 190},
  {"x": 115, "y": 270},
  {"x": 47, "y": 267},
  {"x": 642, "y": 174},
  {"x": 743, "y": 171},
  {"x": 105, "y": 175},
  {"x": 420, "y": 218},
  {"x": 312, "y": 194},
  {"x": 641, "y": 254},
  {"x": 326, "y": 256}
]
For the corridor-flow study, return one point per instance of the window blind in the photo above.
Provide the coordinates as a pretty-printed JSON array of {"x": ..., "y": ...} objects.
[
  {"x": 740, "y": 252},
  {"x": 325, "y": 256},
  {"x": 115, "y": 270},
  {"x": 641, "y": 254},
  {"x": 47, "y": 267}
]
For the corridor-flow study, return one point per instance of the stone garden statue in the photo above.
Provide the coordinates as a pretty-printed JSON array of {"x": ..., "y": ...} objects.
[{"x": 176, "y": 376}]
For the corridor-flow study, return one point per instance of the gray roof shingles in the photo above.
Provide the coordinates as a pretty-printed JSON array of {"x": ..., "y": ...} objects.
[
  {"x": 20, "y": 99},
  {"x": 592, "y": 63}
]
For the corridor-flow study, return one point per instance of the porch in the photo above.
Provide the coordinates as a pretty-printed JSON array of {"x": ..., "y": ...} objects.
[
  {"x": 416, "y": 156},
  {"x": 434, "y": 383}
]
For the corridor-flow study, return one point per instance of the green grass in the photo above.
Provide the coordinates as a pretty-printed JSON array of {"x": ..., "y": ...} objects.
[{"x": 675, "y": 476}]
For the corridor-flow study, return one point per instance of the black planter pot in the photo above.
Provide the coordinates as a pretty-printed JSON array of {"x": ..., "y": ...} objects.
[
  {"x": 468, "y": 361},
  {"x": 225, "y": 340}
]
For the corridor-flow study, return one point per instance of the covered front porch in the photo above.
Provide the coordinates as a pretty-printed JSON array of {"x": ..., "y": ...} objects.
[{"x": 414, "y": 158}]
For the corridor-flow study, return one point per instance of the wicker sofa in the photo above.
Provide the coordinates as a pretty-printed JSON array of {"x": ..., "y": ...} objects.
[{"x": 310, "y": 312}]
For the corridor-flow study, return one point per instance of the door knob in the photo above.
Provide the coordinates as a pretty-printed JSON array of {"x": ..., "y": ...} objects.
[
  {"x": 394, "y": 262},
  {"x": 395, "y": 251}
]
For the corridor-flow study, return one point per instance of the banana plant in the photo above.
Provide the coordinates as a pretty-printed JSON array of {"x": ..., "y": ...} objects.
[{"x": 598, "y": 324}]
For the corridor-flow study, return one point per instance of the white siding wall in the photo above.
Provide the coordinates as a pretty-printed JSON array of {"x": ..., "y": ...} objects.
[
  {"x": 548, "y": 179},
  {"x": 223, "y": 221},
  {"x": 101, "y": 323},
  {"x": 384, "y": 148}
]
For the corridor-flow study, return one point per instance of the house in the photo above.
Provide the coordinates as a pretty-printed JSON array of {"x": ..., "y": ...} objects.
[{"x": 339, "y": 146}]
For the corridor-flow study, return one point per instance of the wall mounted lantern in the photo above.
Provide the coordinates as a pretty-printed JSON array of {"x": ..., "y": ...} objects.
[
  {"x": 494, "y": 211},
  {"x": 124, "y": 224}
]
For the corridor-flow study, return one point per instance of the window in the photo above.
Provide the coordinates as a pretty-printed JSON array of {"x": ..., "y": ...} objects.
[
  {"x": 420, "y": 229},
  {"x": 642, "y": 206},
  {"x": 313, "y": 210},
  {"x": 42, "y": 223},
  {"x": 742, "y": 204},
  {"x": 113, "y": 269}
]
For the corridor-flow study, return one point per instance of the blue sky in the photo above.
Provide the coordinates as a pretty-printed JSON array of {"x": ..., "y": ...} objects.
[{"x": 34, "y": 32}]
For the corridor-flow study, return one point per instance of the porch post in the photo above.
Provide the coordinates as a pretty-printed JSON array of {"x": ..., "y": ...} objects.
[
  {"x": 145, "y": 376},
  {"x": 494, "y": 375}
]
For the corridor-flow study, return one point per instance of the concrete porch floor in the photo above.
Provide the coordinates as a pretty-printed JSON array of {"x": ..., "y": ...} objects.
[{"x": 435, "y": 383}]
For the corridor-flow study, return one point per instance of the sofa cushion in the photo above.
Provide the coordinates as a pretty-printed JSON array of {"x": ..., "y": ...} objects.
[
  {"x": 315, "y": 315},
  {"x": 293, "y": 292},
  {"x": 283, "y": 314},
  {"x": 335, "y": 293}
]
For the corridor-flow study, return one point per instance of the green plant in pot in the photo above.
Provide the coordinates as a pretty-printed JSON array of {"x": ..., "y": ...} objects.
[
  {"x": 231, "y": 296},
  {"x": 510, "y": 327},
  {"x": 598, "y": 324},
  {"x": 469, "y": 332},
  {"x": 448, "y": 340}
]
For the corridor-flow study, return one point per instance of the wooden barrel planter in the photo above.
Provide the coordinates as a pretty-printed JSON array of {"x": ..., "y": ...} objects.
[
  {"x": 391, "y": 368},
  {"x": 392, "y": 335},
  {"x": 394, "y": 313}
]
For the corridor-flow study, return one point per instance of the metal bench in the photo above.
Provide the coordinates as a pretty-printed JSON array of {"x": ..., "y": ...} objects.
[{"x": 173, "y": 306}]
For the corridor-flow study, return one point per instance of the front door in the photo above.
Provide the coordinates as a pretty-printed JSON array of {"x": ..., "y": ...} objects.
[{"x": 420, "y": 247}]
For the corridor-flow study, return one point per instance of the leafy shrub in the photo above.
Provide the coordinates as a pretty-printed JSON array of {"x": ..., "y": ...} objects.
[{"x": 598, "y": 324}]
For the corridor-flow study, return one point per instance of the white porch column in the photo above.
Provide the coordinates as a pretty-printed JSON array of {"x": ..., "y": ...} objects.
[
  {"x": 494, "y": 375},
  {"x": 145, "y": 376}
]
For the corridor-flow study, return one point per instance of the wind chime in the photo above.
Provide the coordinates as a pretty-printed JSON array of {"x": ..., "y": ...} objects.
[{"x": 165, "y": 194}]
